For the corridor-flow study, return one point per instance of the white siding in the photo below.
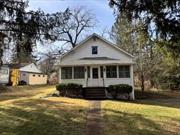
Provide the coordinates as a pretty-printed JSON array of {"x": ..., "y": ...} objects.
[
  {"x": 104, "y": 50},
  {"x": 4, "y": 77}
]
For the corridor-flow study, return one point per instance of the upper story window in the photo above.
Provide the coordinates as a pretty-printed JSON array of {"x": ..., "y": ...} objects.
[{"x": 94, "y": 50}]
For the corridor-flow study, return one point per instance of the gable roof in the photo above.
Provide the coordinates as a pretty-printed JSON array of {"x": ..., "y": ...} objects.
[
  {"x": 30, "y": 68},
  {"x": 101, "y": 38}
]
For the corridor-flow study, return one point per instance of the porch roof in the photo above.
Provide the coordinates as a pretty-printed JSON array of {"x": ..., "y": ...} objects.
[{"x": 95, "y": 62}]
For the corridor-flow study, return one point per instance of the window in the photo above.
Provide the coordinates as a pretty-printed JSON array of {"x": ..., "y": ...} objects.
[
  {"x": 111, "y": 72},
  {"x": 66, "y": 72},
  {"x": 39, "y": 75},
  {"x": 101, "y": 69},
  {"x": 124, "y": 71},
  {"x": 94, "y": 50},
  {"x": 43, "y": 75},
  {"x": 78, "y": 72},
  {"x": 88, "y": 72},
  {"x": 34, "y": 75}
]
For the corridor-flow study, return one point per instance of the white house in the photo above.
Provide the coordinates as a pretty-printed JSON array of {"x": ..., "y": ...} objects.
[
  {"x": 4, "y": 74},
  {"x": 96, "y": 62}
]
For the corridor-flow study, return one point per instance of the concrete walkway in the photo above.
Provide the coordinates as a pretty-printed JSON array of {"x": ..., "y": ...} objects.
[{"x": 94, "y": 124}]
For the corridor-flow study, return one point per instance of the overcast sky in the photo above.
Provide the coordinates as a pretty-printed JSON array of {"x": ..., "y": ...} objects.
[{"x": 100, "y": 8}]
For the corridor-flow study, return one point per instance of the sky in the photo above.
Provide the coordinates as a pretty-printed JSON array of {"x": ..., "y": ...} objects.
[{"x": 99, "y": 8}]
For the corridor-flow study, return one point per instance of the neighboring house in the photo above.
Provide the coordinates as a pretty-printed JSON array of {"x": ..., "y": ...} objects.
[
  {"x": 4, "y": 75},
  {"x": 96, "y": 62},
  {"x": 28, "y": 73},
  {"x": 32, "y": 75}
]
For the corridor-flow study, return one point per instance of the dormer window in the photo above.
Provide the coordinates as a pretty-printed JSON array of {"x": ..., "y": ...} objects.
[{"x": 94, "y": 50}]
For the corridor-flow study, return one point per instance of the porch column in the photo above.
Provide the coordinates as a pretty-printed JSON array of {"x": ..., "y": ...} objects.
[
  {"x": 117, "y": 68},
  {"x": 59, "y": 81},
  {"x": 86, "y": 77},
  {"x": 104, "y": 75},
  {"x": 72, "y": 72}
]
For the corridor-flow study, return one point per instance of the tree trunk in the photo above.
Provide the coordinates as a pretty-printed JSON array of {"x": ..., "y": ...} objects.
[{"x": 142, "y": 82}]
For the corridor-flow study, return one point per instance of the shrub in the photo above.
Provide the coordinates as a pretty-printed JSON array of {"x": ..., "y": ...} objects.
[
  {"x": 114, "y": 90},
  {"x": 61, "y": 86},
  {"x": 70, "y": 89}
]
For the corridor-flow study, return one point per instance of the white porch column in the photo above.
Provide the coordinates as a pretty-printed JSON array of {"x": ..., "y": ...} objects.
[
  {"x": 59, "y": 75},
  {"x": 117, "y": 71},
  {"x": 72, "y": 72},
  {"x": 104, "y": 75},
  {"x": 86, "y": 76}
]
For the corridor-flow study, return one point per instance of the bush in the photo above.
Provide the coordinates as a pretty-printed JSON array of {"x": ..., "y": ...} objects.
[
  {"x": 70, "y": 89},
  {"x": 114, "y": 90}
]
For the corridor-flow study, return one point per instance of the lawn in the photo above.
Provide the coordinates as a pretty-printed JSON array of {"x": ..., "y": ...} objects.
[
  {"x": 158, "y": 114},
  {"x": 24, "y": 111},
  {"x": 27, "y": 110}
]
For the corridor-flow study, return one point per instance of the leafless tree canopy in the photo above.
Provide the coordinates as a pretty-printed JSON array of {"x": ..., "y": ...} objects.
[{"x": 80, "y": 20}]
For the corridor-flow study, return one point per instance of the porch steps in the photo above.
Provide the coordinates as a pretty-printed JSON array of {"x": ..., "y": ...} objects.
[{"x": 94, "y": 92}]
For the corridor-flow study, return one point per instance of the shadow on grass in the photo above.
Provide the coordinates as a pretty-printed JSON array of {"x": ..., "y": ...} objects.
[
  {"x": 163, "y": 98},
  {"x": 117, "y": 122},
  {"x": 42, "y": 117}
]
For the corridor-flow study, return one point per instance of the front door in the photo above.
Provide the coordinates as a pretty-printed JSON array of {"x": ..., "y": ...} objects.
[
  {"x": 95, "y": 80},
  {"x": 95, "y": 73}
]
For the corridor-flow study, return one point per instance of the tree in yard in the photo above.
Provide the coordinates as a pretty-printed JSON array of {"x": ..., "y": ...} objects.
[
  {"x": 24, "y": 28},
  {"x": 71, "y": 29},
  {"x": 163, "y": 15},
  {"x": 122, "y": 33}
]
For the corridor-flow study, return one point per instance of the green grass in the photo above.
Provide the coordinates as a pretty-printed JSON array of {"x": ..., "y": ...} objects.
[
  {"x": 32, "y": 115},
  {"x": 153, "y": 116}
]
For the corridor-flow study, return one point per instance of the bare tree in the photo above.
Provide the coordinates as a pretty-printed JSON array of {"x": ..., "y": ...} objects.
[{"x": 70, "y": 30}]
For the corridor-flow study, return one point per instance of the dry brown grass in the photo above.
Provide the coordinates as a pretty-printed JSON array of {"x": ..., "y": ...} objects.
[{"x": 28, "y": 112}]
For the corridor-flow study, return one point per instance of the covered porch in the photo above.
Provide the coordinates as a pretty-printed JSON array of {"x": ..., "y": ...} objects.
[{"x": 97, "y": 75}]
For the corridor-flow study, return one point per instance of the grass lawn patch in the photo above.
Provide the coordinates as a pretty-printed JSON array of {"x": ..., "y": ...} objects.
[
  {"x": 142, "y": 117},
  {"x": 26, "y": 113}
]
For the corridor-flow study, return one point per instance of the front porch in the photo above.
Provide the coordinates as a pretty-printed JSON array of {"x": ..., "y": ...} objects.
[{"x": 97, "y": 75}]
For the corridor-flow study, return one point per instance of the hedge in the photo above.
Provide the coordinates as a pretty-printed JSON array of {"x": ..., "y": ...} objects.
[
  {"x": 114, "y": 90},
  {"x": 70, "y": 89}
]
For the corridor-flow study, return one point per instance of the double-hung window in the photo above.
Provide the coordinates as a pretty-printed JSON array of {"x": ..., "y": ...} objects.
[
  {"x": 111, "y": 71},
  {"x": 79, "y": 72},
  {"x": 66, "y": 72},
  {"x": 124, "y": 71}
]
